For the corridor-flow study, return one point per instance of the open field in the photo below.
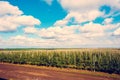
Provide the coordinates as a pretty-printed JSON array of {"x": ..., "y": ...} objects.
[
  {"x": 60, "y": 64},
  {"x": 27, "y": 72},
  {"x": 102, "y": 60}
]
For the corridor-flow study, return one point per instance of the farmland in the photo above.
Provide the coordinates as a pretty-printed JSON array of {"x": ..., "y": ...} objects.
[
  {"x": 101, "y": 60},
  {"x": 28, "y": 72}
]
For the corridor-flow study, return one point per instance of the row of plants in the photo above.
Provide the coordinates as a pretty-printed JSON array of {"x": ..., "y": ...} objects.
[{"x": 93, "y": 60}]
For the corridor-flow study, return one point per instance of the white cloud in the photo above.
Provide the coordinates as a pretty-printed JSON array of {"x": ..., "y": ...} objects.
[
  {"x": 85, "y": 5},
  {"x": 49, "y": 2},
  {"x": 24, "y": 41},
  {"x": 55, "y": 32},
  {"x": 87, "y": 10},
  {"x": 60, "y": 34},
  {"x": 61, "y": 22},
  {"x": 1, "y": 39},
  {"x": 83, "y": 17},
  {"x": 114, "y": 4},
  {"x": 11, "y": 18},
  {"x": 64, "y": 37},
  {"x": 25, "y": 20},
  {"x": 108, "y": 21},
  {"x": 30, "y": 30},
  {"x": 7, "y": 9},
  {"x": 79, "y": 17},
  {"x": 97, "y": 28},
  {"x": 81, "y": 10},
  {"x": 117, "y": 32},
  {"x": 89, "y": 35},
  {"x": 91, "y": 27},
  {"x": 79, "y": 4}
]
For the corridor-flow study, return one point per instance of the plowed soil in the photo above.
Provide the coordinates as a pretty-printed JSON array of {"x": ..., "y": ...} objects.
[{"x": 17, "y": 72}]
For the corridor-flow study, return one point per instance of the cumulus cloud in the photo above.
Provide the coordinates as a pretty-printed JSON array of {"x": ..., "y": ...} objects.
[
  {"x": 63, "y": 35},
  {"x": 80, "y": 5},
  {"x": 90, "y": 29},
  {"x": 69, "y": 39},
  {"x": 81, "y": 11},
  {"x": 57, "y": 32},
  {"x": 61, "y": 22},
  {"x": 87, "y": 10},
  {"x": 83, "y": 17},
  {"x": 98, "y": 28},
  {"x": 7, "y": 9},
  {"x": 30, "y": 30},
  {"x": 117, "y": 32},
  {"x": 90, "y": 34},
  {"x": 11, "y": 18},
  {"x": 24, "y": 41},
  {"x": 20, "y": 41},
  {"x": 85, "y": 5},
  {"x": 108, "y": 21},
  {"x": 79, "y": 17}
]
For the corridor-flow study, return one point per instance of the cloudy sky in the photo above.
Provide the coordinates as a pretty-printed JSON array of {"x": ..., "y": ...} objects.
[{"x": 59, "y": 23}]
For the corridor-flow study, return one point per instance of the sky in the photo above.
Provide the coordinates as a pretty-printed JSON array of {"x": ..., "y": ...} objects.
[{"x": 59, "y": 23}]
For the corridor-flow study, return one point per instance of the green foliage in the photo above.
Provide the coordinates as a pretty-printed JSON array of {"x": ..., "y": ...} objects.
[{"x": 105, "y": 60}]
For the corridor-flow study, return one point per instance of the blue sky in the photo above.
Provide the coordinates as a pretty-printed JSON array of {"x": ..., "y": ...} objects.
[
  {"x": 59, "y": 23},
  {"x": 47, "y": 14}
]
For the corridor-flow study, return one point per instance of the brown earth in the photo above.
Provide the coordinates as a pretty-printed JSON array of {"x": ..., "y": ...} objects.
[{"x": 18, "y": 72}]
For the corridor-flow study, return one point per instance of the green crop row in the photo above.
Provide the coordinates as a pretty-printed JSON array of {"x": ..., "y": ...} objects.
[{"x": 93, "y": 60}]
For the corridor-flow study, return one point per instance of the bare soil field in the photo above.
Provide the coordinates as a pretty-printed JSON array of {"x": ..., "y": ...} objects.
[{"x": 24, "y": 72}]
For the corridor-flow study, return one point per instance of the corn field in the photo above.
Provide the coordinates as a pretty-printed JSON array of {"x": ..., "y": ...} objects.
[{"x": 103, "y": 60}]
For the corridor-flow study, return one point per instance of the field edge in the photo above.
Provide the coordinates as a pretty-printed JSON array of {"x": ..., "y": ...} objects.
[{"x": 84, "y": 72}]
